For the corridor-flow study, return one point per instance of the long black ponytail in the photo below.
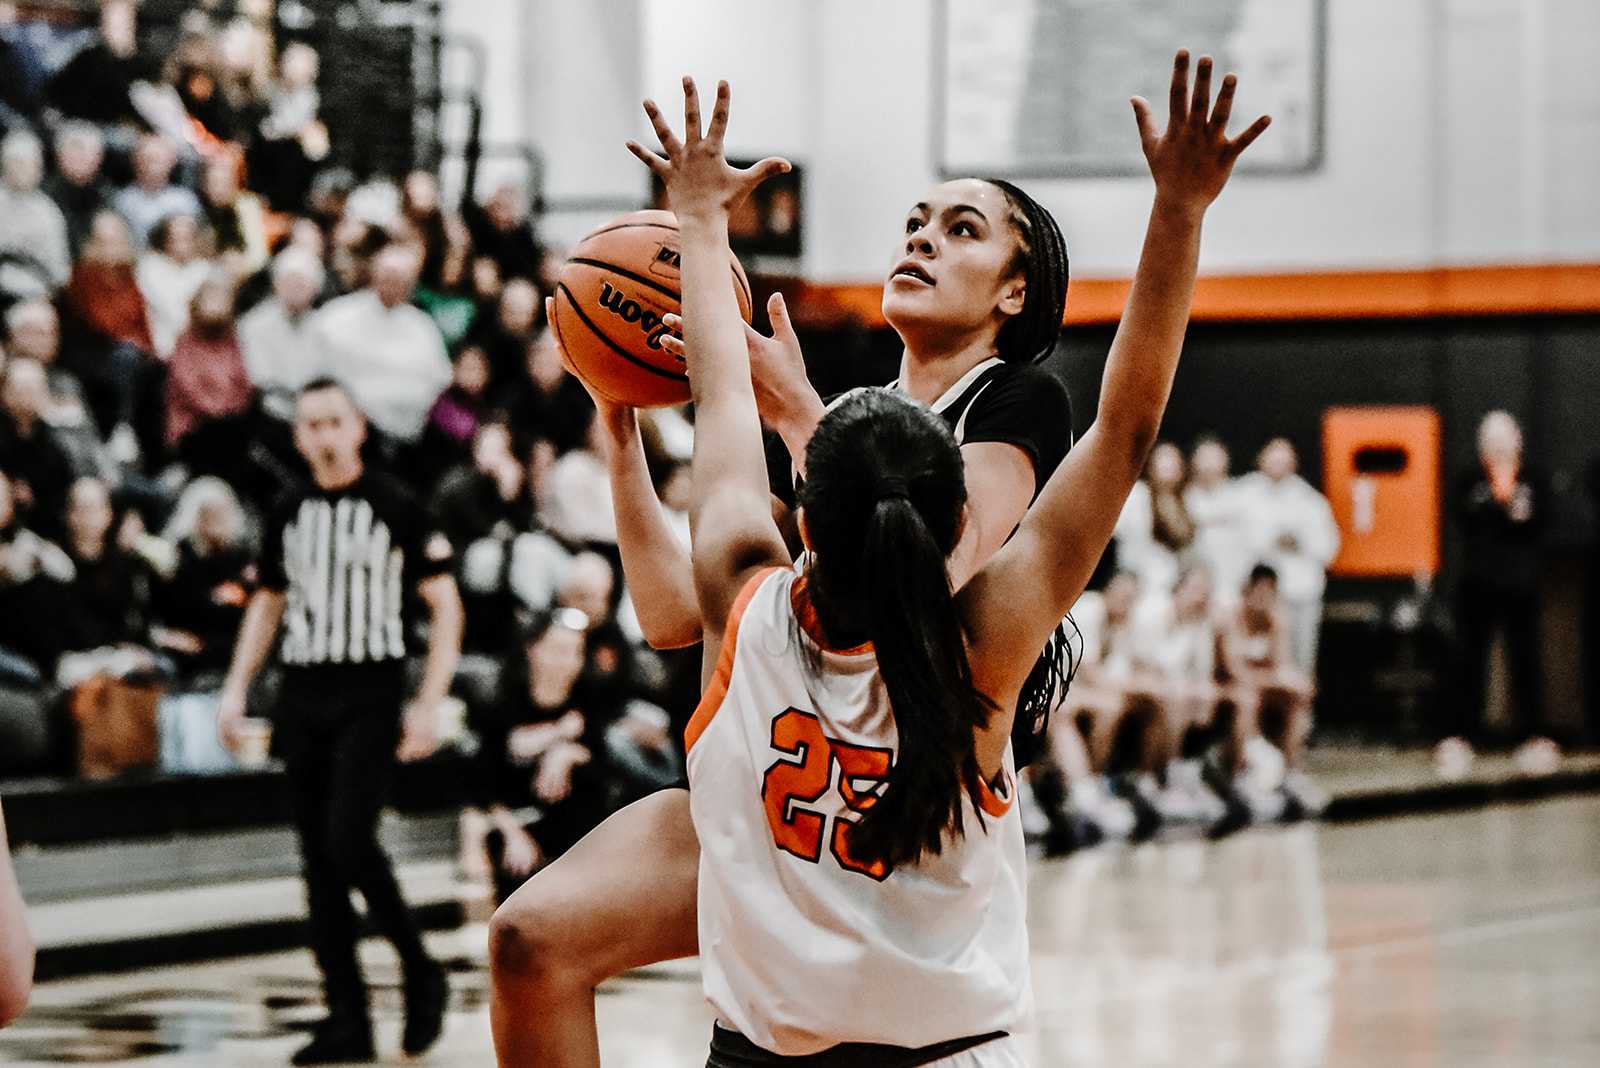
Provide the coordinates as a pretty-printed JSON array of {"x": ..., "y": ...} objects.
[{"x": 883, "y": 503}]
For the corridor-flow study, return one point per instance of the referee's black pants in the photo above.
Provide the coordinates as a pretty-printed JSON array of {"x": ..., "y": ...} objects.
[{"x": 338, "y": 746}]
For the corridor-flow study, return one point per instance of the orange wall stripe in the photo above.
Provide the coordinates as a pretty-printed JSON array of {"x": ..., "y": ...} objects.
[{"x": 1417, "y": 294}]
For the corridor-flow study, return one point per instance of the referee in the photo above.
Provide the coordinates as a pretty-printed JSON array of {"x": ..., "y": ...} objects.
[{"x": 338, "y": 562}]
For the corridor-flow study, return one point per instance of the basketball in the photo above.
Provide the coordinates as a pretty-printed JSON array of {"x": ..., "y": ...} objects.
[{"x": 613, "y": 292}]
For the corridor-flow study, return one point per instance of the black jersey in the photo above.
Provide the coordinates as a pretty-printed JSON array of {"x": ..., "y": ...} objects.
[{"x": 349, "y": 561}]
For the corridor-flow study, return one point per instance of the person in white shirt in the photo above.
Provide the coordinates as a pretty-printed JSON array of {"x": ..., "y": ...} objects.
[
  {"x": 152, "y": 197},
  {"x": 577, "y": 505},
  {"x": 1222, "y": 540},
  {"x": 1155, "y": 532},
  {"x": 279, "y": 353},
  {"x": 30, "y": 222},
  {"x": 169, "y": 275},
  {"x": 385, "y": 351},
  {"x": 1293, "y": 532}
]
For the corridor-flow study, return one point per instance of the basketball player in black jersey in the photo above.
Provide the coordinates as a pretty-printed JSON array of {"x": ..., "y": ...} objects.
[{"x": 339, "y": 565}]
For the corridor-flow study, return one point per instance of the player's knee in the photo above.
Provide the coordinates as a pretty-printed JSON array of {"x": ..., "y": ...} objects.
[{"x": 524, "y": 942}]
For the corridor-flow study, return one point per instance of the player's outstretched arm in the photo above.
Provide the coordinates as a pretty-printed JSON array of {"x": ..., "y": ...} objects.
[
  {"x": 16, "y": 945},
  {"x": 1012, "y": 605},
  {"x": 730, "y": 515}
]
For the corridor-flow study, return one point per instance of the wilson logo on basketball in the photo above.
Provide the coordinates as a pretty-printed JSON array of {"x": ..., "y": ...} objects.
[
  {"x": 629, "y": 311},
  {"x": 667, "y": 262}
]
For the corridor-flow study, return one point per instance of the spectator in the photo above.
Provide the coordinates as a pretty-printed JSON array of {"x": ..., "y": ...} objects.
[
  {"x": 152, "y": 198},
  {"x": 39, "y": 466},
  {"x": 456, "y": 415},
  {"x": 96, "y": 85},
  {"x": 548, "y": 401},
  {"x": 1502, "y": 510},
  {"x": 420, "y": 207},
  {"x": 105, "y": 301},
  {"x": 234, "y": 217},
  {"x": 76, "y": 185},
  {"x": 198, "y": 602},
  {"x": 31, "y": 226},
  {"x": 292, "y": 139},
  {"x": 1294, "y": 532},
  {"x": 169, "y": 276},
  {"x": 579, "y": 506},
  {"x": 505, "y": 338},
  {"x": 502, "y": 231},
  {"x": 1271, "y": 698},
  {"x": 1222, "y": 539},
  {"x": 16, "y": 945},
  {"x": 34, "y": 333},
  {"x": 385, "y": 351},
  {"x": 35, "y": 576},
  {"x": 280, "y": 352},
  {"x": 208, "y": 391},
  {"x": 1155, "y": 530},
  {"x": 543, "y": 756},
  {"x": 109, "y": 592}
]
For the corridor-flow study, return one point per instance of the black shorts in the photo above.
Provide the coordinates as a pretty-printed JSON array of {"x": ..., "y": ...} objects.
[{"x": 730, "y": 1049}]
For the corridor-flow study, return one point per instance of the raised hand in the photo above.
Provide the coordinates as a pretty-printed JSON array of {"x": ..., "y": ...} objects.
[
  {"x": 1192, "y": 159},
  {"x": 777, "y": 365},
  {"x": 699, "y": 180}
]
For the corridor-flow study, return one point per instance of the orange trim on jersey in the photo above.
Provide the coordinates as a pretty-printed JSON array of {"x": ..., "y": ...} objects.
[
  {"x": 993, "y": 804},
  {"x": 712, "y": 699},
  {"x": 806, "y": 613}
]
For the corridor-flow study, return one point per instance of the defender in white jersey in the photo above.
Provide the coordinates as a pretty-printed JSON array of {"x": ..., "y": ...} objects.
[{"x": 860, "y": 883}]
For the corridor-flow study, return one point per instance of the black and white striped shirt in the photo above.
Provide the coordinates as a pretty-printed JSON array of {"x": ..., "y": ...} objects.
[{"x": 348, "y": 562}]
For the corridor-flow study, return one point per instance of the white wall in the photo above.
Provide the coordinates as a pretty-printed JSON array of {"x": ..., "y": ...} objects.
[{"x": 1458, "y": 131}]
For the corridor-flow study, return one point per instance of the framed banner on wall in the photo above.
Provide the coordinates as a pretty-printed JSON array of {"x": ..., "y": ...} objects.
[{"x": 1039, "y": 88}]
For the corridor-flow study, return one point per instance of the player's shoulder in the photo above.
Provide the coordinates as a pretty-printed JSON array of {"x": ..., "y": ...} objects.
[{"x": 1029, "y": 383}]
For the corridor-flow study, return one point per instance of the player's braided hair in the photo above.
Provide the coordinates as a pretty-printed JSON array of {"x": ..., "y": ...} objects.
[{"x": 1042, "y": 258}]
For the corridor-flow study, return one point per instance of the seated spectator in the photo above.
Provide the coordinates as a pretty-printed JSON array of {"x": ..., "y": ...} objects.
[
  {"x": 40, "y": 468},
  {"x": 31, "y": 226},
  {"x": 34, "y": 333},
  {"x": 170, "y": 274},
  {"x": 547, "y": 401},
  {"x": 1181, "y": 653},
  {"x": 109, "y": 593},
  {"x": 235, "y": 219},
  {"x": 590, "y": 585},
  {"x": 153, "y": 198},
  {"x": 421, "y": 208},
  {"x": 96, "y": 85},
  {"x": 208, "y": 392},
  {"x": 198, "y": 600},
  {"x": 504, "y": 339},
  {"x": 1155, "y": 530},
  {"x": 578, "y": 507},
  {"x": 280, "y": 352},
  {"x": 76, "y": 185},
  {"x": 1271, "y": 699},
  {"x": 1222, "y": 539},
  {"x": 456, "y": 415},
  {"x": 106, "y": 304},
  {"x": 35, "y": 576},
  {"x": 502, "y": 231},
  {"x": 1294, "y": 531},
  {"x": 292, "y": 139},
  {"x": 543, "y": 755},
  {"x": 385, "y": 351},
  {"x": 16, "y": 945}
]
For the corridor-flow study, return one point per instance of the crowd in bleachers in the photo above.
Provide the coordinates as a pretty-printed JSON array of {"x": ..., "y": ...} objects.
[{"x": 1196, "y": 659}]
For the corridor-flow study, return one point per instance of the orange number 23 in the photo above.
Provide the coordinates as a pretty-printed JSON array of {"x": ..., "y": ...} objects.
[{"x": 791, "y": 784}]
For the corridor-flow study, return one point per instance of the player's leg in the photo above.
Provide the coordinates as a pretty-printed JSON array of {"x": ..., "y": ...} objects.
[{"x": 621, "y": 898}]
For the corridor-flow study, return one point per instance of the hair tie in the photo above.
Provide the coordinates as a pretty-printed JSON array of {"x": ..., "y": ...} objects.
[{"x": 893, "y": 486}]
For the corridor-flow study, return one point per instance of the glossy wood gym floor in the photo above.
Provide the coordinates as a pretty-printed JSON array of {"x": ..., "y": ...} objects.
[{"x": 1460, "y": 940}]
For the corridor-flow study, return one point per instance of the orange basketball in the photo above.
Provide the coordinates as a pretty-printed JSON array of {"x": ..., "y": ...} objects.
[{"x": 612, "y": 293}]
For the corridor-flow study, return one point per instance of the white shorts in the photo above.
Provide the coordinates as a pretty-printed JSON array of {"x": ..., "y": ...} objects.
[{"x": 1001, "y": 1053}]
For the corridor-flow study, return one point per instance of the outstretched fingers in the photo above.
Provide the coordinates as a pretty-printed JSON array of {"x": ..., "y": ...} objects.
[
  {"x": 1224, "y": 108},
  {"x": 669, "y": 140},
  {"x": 1200, "y": 108},
  {"x": 657, "y": 165},
  {"x": 1244, "y": 140},
  {"x": 691, "y": 111},
  {"x": 1178, "y": 95},
  {"x": 719, "y": 115},
  {"x": 1147, "y": 124}
]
